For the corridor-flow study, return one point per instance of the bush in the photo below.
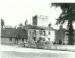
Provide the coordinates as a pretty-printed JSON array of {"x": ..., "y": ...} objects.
[
  {"x": 31, "y": 43},
  {"x": 40, "y": 44}
]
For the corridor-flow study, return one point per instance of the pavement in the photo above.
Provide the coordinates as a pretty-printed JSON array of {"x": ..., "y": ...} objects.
[{"x": 20, "y": 52}]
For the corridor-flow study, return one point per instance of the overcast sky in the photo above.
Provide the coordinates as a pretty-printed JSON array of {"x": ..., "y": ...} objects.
[{"x": 15, "y": 12}]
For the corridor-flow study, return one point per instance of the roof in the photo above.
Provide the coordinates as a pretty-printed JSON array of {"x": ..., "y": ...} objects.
[
  {"x": 13, "y": 32},
  {"x": 8, "y": 32},
  {"x": 38, "y": 27},
  {"x": 63, "y": 29}
]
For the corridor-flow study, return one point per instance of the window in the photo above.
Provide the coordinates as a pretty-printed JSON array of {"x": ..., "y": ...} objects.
[
  {"x": 49, "y": 33},
  {"x": 44, "y": 33},
  {"x": 40, "y": 32},
  {"x": 40, "y": 38},
  {"x": 43, "y": 39},
  {"x": 34, "y": 38},
  {"x": 34, "y": 32},
  {"x": 48, "y": 38}
]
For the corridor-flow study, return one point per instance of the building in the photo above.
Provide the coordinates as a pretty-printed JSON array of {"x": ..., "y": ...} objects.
[
  {"x": 62, "y": 36},
  {"x": 41, "y": 29},
  {"x": 38, "y": 30},
  {"x": 40, "y": 20},
  {"x": 13, "y": 35},
  {"x": 8, "y": 35},
  {"x": 36, "y": 33}
]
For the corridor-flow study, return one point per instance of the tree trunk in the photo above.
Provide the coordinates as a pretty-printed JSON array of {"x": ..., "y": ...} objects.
[
  {"x": 23, "y": 40},
  {"x": 16, "y": 40},
  {"x": 70, "y": 33}
]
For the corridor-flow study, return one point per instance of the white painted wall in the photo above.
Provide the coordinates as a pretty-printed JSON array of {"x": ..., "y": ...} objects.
[
  {"x": 52, "y": 36},
  {"x": 42, "y": 20}
]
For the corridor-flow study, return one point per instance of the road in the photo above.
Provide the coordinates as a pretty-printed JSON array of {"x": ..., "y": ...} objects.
[{"x": 13, "y": 52}]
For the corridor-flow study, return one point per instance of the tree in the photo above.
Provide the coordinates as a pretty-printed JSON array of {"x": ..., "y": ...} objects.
[
  {"x": 20, "y": 25},
  {"x": 21, "y": 34},
  {"x": 68, "y": 14},
  {"x": 2, "y": 23},
  {"x": 26, "y": 22}
]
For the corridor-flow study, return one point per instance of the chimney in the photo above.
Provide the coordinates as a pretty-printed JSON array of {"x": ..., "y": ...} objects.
[{"x": 49, "y": 25}]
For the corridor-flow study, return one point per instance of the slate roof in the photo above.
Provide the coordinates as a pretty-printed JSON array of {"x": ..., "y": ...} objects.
[
  {"x": 38, "y": 27},
  {"x": 13, "y": 32},
  {"x": 8, "y": 32}
]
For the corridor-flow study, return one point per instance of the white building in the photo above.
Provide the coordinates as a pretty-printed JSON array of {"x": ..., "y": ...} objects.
[
  {"x": 40, "y": 20},
  {"x": 36, "y": 33}
]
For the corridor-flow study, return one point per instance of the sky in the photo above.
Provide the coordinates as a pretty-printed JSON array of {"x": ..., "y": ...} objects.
[{"x": 14, "y": 12}]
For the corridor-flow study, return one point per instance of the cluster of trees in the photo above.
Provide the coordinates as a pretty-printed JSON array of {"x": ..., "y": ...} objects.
[
  {"x": 21, "y": 34},
  {"x": 68, "y": 14}
]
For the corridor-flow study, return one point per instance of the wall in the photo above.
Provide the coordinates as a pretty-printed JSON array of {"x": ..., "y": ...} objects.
[
  {"x": 46, "y": 37},
  {"x": 30, "y": 34},
  {"x": 7, "y": 40},
  {"x": 40, "y": 20},
  {"x": 60, "y": 36}
]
